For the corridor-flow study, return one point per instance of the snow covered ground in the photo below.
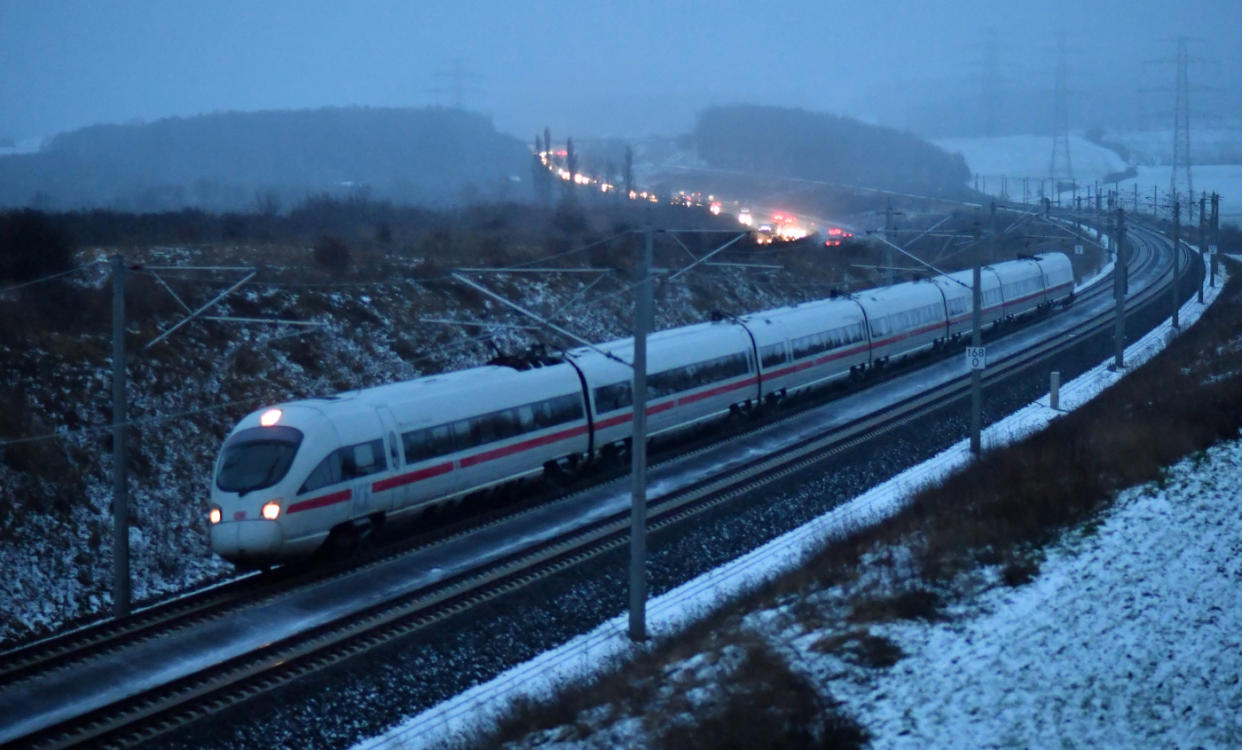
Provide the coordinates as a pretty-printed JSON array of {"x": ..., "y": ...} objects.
[
  {"x": 1221, "y": 144},
  {"x": 1019, "y": 156},
  {"x": 1129, "y": 636},
  {"x": 1029, "y": 156},
  {"x": 1225, "y": 179}
]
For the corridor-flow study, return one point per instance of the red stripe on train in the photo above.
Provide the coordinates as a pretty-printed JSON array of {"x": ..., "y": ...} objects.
[
  {"x": 629, "y": 416},
  {"x": 509, "y": 450},
  {"x": 716, "y": 391},
  {"x": 319, "y": 502},
  {"x": 413, "y": 476}
]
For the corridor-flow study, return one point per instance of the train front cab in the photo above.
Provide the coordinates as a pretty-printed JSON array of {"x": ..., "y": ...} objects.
[{"x": 254, "y": 505}]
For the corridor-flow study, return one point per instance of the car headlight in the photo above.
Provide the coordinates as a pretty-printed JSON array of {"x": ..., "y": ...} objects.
[{"x": 271, "y": 510}]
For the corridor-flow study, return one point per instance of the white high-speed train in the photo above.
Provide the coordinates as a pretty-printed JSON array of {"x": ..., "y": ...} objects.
[{"x": 291, "y": 475}]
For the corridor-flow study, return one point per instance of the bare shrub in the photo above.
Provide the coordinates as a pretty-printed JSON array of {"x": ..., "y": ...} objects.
[
  {"x": 1019, "y": 572},
  {"x": 332, "y": 254},
  {"x": 764, "y": 704},
  {"x": 917, "y": 604},
  {"x": 861, "y": 647}
]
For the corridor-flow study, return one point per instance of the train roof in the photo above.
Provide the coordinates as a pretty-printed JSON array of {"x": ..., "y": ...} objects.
[
  {"x": 909, "y": 293},
  {"x": 446, "y": 391},
  {"x": 817, "y": 310},
  {"x": 668, "y": 348}
]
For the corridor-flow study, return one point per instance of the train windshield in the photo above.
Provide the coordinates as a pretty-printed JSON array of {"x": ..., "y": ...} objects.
[{"x": 257, "y": 458}]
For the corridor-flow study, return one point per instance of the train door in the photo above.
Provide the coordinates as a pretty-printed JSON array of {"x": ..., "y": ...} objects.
[
  {"x": 384, "y": 495},
  {"x": 359, "y": 466}
]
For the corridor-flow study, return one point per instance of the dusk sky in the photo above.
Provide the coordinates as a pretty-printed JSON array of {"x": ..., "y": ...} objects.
[{"x": 592, "y": 68}]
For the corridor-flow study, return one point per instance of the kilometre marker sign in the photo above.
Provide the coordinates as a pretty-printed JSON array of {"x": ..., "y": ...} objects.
[{"x": 977, "y": 357}]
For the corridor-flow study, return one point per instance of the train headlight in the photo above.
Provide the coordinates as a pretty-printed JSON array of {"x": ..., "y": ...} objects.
[
  {"x": 214, "y": 516},
  {"x": 271, "y": 510}
]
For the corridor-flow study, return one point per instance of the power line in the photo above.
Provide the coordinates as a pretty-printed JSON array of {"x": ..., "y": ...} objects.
[{"x": 49, "y": 277}]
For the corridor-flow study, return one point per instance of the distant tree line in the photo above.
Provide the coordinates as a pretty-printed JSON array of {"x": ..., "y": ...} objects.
[{"x": 819, "y": 146}]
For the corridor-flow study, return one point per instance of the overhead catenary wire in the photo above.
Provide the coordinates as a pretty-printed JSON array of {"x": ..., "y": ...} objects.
[{"x": 141, "y": 422}]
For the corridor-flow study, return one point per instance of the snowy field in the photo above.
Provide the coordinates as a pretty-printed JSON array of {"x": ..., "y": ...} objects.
[
  {"x": 1019, "y": 156},
  {"x": 1130, "y": 635},
  {"x": 1029, "y": 156},
  {"x": 1225, "y": 179}
]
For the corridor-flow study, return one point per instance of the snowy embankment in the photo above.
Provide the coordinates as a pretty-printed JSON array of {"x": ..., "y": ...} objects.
[{"x": 1127, "y": 636}]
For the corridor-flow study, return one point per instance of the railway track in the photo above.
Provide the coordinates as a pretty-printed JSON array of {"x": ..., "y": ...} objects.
[{"x": 151, "y": 711}]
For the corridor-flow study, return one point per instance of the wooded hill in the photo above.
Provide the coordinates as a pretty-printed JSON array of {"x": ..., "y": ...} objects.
[
  {"x": 268, "y": 160},
  {"x": 819, "y": 146}
]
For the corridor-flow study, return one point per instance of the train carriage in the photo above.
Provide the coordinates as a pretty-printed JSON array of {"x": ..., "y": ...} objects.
[
  {"x": 1058, "y": 278},
  {"x": 1022, "y": 286},
  {"x": 904, "y": 319},
  {"x": 499, "y": 424},
  {"x": 959, "y": 299},
  {"x": 809, "y": 345},
  {"x": 693, "y": 373}
]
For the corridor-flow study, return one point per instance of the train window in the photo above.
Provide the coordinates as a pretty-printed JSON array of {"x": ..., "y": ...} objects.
[
  {"x": 421, "y": 445},
  {"x": 564, "y": 409},
  {"x": 327, "y": 472},
  {"x": 257, "y": 458},
  {"x": 526, "y": 418},
  {"x": 462, "y": 437},
  {"x": 362, "y": 459},
  {"x": 773, "y": 354},
  {"x": 543, "y": 414},
  {"x": 500, "y": 424},
  {"x": 444, "y": 440},
  {"x": 417, "y": 445},
  {"x": 483, "y": 429},
  {"x": 805, "y": 346},
  {"x": 661, "y": 384},
  {"x": 697, "y": 374},
  {"x": 511, "y": 424},
  {"x": 613, "y": 397}
]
